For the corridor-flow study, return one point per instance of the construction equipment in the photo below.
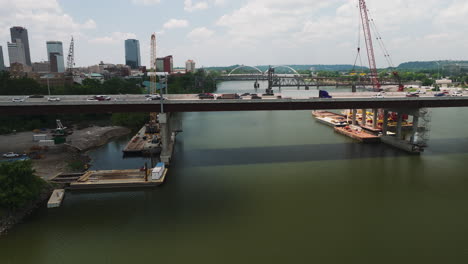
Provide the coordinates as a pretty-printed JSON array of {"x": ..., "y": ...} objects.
[
  {"x": 370, "y": 48},
  {"x": 71, "y": 57}
]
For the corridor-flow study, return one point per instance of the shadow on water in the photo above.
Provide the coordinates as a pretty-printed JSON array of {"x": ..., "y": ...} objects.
[{"x": 307, "y": 153}]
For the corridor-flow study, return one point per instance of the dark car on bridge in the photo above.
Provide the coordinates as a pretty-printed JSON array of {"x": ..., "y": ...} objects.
[
  {"x": 102, "y": 98},
  {"x": 206, "y": 96}
]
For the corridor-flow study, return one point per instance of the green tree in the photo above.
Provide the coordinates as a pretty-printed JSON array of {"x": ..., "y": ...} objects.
[{"x": 18, "y": 184}]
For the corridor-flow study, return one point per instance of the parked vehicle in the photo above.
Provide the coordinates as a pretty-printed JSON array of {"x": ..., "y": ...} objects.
[
  {"x": 10, "y": 155},
  {"x": 254, "y": 96},
  {"x": 457, "y": 93},
  {"x": 412, "y": 95},
  {"x": 17, "y": 100},
  {"x": 53, "y": 99},
  {"x": 440, "y": 94}
]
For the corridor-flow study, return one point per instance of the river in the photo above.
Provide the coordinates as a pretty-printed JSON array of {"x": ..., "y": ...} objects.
[{"x": 267, "y": 187}]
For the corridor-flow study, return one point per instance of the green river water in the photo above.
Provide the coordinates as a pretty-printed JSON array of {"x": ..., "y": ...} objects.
[{"x": 267, "y": 187}]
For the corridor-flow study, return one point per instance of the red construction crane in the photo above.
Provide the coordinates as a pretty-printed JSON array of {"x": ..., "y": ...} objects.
[{"x": 370, "y": 48}]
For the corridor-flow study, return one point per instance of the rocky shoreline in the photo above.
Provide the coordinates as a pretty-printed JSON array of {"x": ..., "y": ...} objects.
[
  {"x": 13, "y": 218},
  {"x": 57, "y": 161}
]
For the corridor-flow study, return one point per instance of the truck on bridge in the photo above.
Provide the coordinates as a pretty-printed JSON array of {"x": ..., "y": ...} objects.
[{"x": 304, "y": 94}]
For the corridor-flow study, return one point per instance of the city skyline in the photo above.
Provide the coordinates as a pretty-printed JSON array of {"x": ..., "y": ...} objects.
[{"x": 251, "y": 32}]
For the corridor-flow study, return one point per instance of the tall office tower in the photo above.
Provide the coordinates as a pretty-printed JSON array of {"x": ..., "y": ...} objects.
[
  {"x": 22, "y": 34},
  {"x": 2, "y": 62},
  {"x": 16, "y": 52},
  {"x": 55, "y": 55},
  {"x": 132, "y": 53}
]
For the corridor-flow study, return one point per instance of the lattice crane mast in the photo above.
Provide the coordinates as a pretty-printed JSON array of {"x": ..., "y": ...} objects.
[
  {"x": 71, "y": 57},
  {"x": 370, "y": 48},
  {"x": 153, "y": 78}
]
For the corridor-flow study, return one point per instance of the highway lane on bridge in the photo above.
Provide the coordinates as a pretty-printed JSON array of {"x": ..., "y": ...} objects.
[{"x": 191, "y": 103}]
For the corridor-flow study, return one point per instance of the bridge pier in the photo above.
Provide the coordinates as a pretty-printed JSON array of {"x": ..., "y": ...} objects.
[
  {"x": 167, "y": 137},
  {"x": 364, "y": 117},
  {"x": 354, "y": 117},
  {"x": 375, "y": 118},
  {"x": 415, "y": 139}
]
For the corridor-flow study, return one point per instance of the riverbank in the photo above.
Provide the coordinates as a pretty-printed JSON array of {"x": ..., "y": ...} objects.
[
  {"x": 11, "y": 218},
  {"x": 54, "y": 161},
  {"x": 57, "y": 159}
]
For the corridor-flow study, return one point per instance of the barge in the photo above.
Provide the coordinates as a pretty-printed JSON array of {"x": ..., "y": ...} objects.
[{"x": 357, "y": 133}]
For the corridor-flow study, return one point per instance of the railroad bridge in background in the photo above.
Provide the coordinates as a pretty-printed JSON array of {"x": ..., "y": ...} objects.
[{"x": 295, "y": 79}]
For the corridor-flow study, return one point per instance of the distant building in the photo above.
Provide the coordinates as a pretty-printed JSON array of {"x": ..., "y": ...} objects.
[
  {"x": 189, "y": 66},
  {"x": 41, "y": 67},
  {"x": 2, "y": 62},
  {"x": 165, "y": 64},
  {"x": 16, "y": 52},
  {"x": 53, "y": 79},
  {"x": 55, "y": 55},
  {"x": 132, "y": 53},
  {"x": 22, "y": 34},
  {"x": 444, "y": 83},
  {"x": 18, "y": 70}
]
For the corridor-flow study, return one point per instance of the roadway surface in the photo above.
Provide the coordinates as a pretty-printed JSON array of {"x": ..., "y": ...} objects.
[{"x": 191, "y": 103}]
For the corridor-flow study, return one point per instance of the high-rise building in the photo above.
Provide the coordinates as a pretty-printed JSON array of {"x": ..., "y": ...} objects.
[
  {"x": 165, "y": 64},
  {"x": 55, "y": 55},
  {"x": 132, "y": 53},
  {"x": 189, "y": 66},
  {"x": 16, "y": 52},
  {"x": 2, "y": 62},
  {"x": 22, "y": 34}
]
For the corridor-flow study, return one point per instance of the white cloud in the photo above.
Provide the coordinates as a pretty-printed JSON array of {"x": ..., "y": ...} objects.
[
  {"x": 146, "y": 2},
  {"x": 114, "y": 38},
  {"x": 45, "y": 20},
  {"x": 176, "y": 23},
  {"x": 200, "y": 33},
  {"x": 189, "y": 6}
]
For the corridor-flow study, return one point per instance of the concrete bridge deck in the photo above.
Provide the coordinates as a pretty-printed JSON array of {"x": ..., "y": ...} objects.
[{"x": 191, "y": 103}]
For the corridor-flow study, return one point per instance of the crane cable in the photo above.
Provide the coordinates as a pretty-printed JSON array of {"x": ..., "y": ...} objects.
[{"x": 386, "y": 54}]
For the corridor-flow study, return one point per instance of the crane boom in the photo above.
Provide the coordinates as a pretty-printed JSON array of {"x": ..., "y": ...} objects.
[{"x": 370, "y": 48}]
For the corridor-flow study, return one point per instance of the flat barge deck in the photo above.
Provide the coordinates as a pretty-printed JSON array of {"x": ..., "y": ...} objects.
[
  {"x": 113, "y": 179},
  {"x": 358, "y": 134},
  {"x": 142, "y": 144}
]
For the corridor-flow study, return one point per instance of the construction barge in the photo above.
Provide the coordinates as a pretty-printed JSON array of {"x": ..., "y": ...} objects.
[
  {"x": 330, "y": 118},
  {"x": 144, "y": 143},
  {"x": 114, "y": 179},
  {"x": 357, "y": 133}
]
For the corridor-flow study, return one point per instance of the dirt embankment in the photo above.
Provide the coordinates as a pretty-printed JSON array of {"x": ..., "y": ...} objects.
[{"x": 57, "y": 159}]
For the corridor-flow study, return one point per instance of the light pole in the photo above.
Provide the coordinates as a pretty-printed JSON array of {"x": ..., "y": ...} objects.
[
  {"x": 438, "y": 73},
  {"x": 48, "y": 87}
]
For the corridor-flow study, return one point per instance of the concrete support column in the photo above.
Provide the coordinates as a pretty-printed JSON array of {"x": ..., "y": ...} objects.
[
  {"x": 164, "y": 123},
  {"x": 375, "y": 118},
  {"x": 399, "y": 125},
  {"x": 415, "y": 129},
  {"x": 354, "y": 117},
  {"x": 385, "y": 123},
  {"x": 364, "y": 117}
]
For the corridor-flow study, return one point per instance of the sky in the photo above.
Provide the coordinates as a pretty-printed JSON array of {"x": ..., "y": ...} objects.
[{"x": 249, "y": 32}]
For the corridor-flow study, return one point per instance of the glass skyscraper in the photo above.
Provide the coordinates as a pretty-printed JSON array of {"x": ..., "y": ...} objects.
[
  {"x": 2, "y": 62},
  {"x": 132, "y": 53},
  {"x": 22, "y": 34},
  {"x": 55, "y": 55}
]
